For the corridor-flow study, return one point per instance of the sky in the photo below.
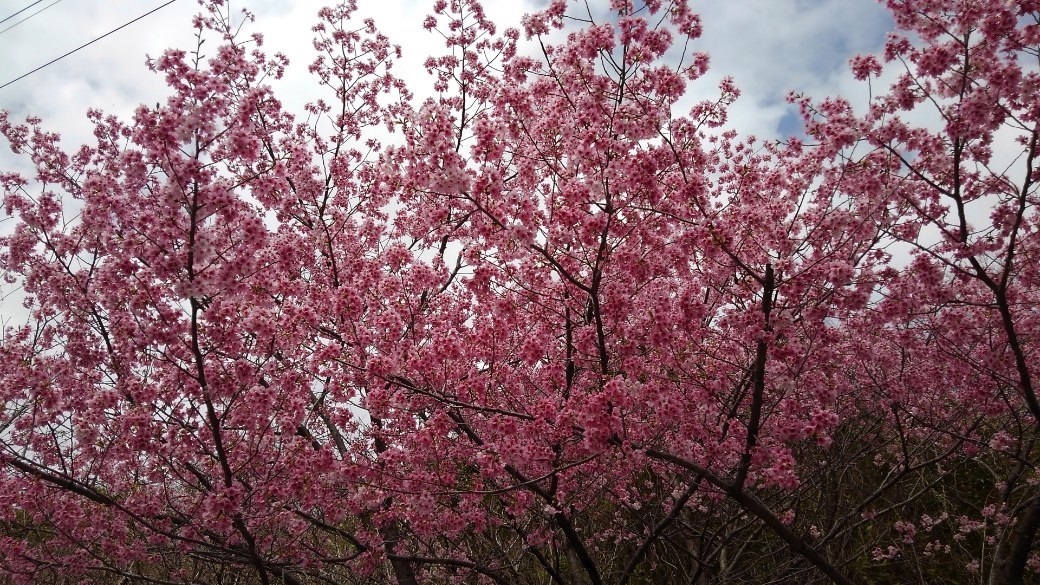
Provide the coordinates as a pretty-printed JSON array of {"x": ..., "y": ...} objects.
[{"x": 769, "y": 47}]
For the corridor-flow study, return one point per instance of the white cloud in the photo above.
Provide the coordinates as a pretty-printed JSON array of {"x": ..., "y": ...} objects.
[
  {"x": 772, "y": 47},
  {"x": 768, "y": 46}
]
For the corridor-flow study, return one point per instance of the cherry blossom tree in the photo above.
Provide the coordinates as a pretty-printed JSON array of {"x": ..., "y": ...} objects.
[
  {"x": 952, "y": 157},
  {"x": 548, "y": 325}
]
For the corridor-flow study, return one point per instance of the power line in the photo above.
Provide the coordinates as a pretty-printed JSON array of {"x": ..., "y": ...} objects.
[
  {"x": 20, "y": 11},
  {"x": 52, "y": 62},
  {"x": 27, "y": 17}
]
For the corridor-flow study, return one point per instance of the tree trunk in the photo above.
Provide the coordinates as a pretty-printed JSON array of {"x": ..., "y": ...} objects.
[{"x": 1009, "y": 562}]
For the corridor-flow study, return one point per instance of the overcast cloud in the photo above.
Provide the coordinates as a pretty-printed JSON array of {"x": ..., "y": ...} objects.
[{"x": 768, "y": 46}]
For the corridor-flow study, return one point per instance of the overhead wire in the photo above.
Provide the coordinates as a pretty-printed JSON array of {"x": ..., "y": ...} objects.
[
  {"x": 87, "y": 44},
  {"x": 20, "y": 11},
  {"x": 27, "y": 17}
]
